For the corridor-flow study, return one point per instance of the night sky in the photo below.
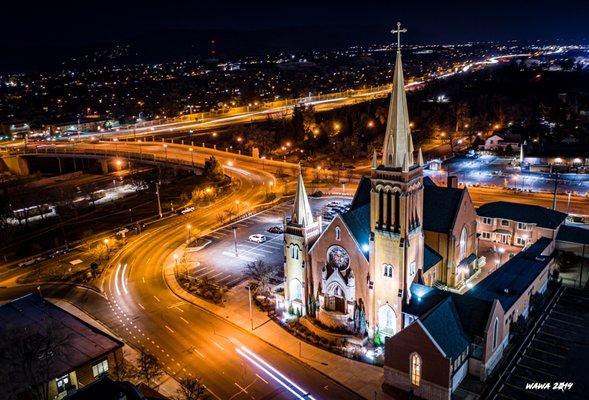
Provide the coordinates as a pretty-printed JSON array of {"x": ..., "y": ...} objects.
[{"x": 30, "y": 25}]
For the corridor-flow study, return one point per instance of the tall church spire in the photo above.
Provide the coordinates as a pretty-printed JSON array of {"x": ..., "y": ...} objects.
[
  {"x": 398, "y": 140},
  {"x": 301, "y": 214}
]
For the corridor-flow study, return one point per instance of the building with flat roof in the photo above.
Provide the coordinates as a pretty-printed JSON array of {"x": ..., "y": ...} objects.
[{"x": 47, "y": 352}]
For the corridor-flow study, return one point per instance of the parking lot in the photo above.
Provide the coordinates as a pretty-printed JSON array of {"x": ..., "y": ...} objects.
[
  {"x": 229, "y": 249},
  {"x": 556, "y": 356}
]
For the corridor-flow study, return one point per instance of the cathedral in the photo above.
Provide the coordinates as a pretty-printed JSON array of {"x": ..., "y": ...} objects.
[
  {"x": 357, "y": 273},
  {"x": 400, "y": 263}
]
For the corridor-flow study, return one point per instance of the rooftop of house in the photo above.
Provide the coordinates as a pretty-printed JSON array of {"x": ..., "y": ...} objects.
[
  {"x": 31, "y": 318},
  {"x": 514, "y": 277},
  {"x": 528, "y": 213},
  {"x": 573, "y": 234}
]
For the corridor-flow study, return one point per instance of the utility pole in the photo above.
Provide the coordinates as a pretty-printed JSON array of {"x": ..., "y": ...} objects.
[
  {"x": 159, "y": 204},
  {"x": 555, "y": 190}
]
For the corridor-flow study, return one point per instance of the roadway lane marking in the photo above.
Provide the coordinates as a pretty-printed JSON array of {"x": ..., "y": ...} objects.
[
  {"x": 262, "y": 379},
  {"x": 141, "y": 305},
  {"x": 210, "y": 391},
  {"x": 170, "y": 329},
  {"x": 217, "y": 274},
  {"x": 123, "y": 280},
  {"x": 155, "y": 297},
  {"x": 184, "y": 320},
  {"x": 143, "y": 279},
  {"x": 242, "y": 389},
  {"x": 199, "y": 353},
  {"x": 218, "y": 345}
]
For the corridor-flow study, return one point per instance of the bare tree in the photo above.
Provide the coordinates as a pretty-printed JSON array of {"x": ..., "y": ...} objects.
[
  {"x": 190, "y": 389},
  {"x": 149, "y": 367},
  {"x": 261, "y": 274}
]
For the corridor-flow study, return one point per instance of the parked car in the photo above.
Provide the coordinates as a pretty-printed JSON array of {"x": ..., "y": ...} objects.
[
  {"x": 59, "y": 252},
  {"x": 27, "y": 262},
  {"x": 122, "y": 232},
  {"x": 275, "y": 229},
  {"x": 186, "y": 210},
  {"x": 257, "y": 238}
]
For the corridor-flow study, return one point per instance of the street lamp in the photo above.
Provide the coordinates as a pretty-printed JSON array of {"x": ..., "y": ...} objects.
[
  {"x": 166, "y": 151},
  {"x": 237, "y": 206},
  {"x": 176, "y": 259}
]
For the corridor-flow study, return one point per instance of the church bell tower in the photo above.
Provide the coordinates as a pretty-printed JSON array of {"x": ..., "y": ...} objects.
[
  {"x": 396, "y": 213},
  {"x": 299, "y": 234}
]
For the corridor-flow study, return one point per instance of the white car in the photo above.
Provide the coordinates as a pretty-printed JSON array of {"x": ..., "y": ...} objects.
[
  {"x": 258, "y": 238},
  {"x": 28, "y": 262},
  {"x": 187, "y": 210}
]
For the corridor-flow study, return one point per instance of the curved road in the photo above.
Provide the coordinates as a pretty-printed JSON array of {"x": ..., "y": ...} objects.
[{"x": 190, "y": 341}]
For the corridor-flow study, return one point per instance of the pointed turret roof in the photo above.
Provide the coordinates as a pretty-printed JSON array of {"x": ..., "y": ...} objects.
[
  {"x": 398, "y": 140},
  {"x": 301, "y": 213}
]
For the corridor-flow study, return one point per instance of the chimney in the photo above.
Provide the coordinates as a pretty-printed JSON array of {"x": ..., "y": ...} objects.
[{"x": 452, "y": 181}]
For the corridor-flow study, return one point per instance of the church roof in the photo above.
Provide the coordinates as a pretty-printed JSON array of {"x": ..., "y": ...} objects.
[
  {"x": 358, "y": 222},
  {"x": 443, "y": 324},
  {"x": 398, "y": 145},
  {"x": 472, "y": 311},
  {"x": 301, "y": 214},
  {"x": 362, "y": 195},
  {"x": 514, "y": 277},
  {"x": 541, "y": 216},
  {"x": 440, "y": 206},
  {"x": 430, "y": 258}
]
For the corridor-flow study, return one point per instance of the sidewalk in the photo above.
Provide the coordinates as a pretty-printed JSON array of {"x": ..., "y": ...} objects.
[
  {"x": 166, "y": 384},
  {"x": 362, "y": 378}
]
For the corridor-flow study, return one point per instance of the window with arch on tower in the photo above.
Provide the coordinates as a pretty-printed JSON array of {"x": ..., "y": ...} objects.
[
  {"x": 388, "y": 270},
  {"x": 415, "y": 367},
  {"x": 338, "y": 233},
  {"x": 295, "y": 252}
]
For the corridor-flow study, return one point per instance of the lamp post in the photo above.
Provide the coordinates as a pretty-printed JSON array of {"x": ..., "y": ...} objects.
[
  {"x": 191, "y": 156},
  {"x": 166, "y": 152},
  {"x": 235, "y": 239},
  {"x": 237, "y": 206}
]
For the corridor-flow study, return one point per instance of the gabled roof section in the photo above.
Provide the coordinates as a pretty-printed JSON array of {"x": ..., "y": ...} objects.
[
  {"x": 430, "y": 258},
  {"x": 398, "y": 144},
  {"x": 358, "y": 222},
  {"x": 301, "y": 214},
  {"x": 362, "y": 195},
  {"x": 473, "y": 312},
  {"x": 440, "y": 207},
  {"x": 443, "y": 325},
  {"x": 528, "y": 213}
]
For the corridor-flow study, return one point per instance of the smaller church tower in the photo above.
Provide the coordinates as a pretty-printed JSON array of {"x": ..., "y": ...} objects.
[{"x": 300, "y": 232}]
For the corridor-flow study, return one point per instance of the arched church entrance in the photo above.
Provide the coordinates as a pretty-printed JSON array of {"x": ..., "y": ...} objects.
[
  {"x": 336, "y": 298},
  {"x": 387, "y": 320}
]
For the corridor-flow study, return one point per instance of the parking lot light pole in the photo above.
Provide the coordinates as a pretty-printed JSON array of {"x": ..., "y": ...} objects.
[
  {"x": 235, "y": 239},
  {"x": 249, "y": 292}
]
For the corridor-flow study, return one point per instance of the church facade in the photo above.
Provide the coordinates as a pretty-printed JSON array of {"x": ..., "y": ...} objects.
[{"x": 356, "y": 274}]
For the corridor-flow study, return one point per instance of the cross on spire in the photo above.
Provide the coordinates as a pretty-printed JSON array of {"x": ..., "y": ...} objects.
[{"x": 398, "y": 32}]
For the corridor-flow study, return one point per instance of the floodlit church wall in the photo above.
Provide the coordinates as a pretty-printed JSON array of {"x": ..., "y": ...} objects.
[
  {"x": 293, "y": 269},
  {"x": 355, "y": 290}
]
